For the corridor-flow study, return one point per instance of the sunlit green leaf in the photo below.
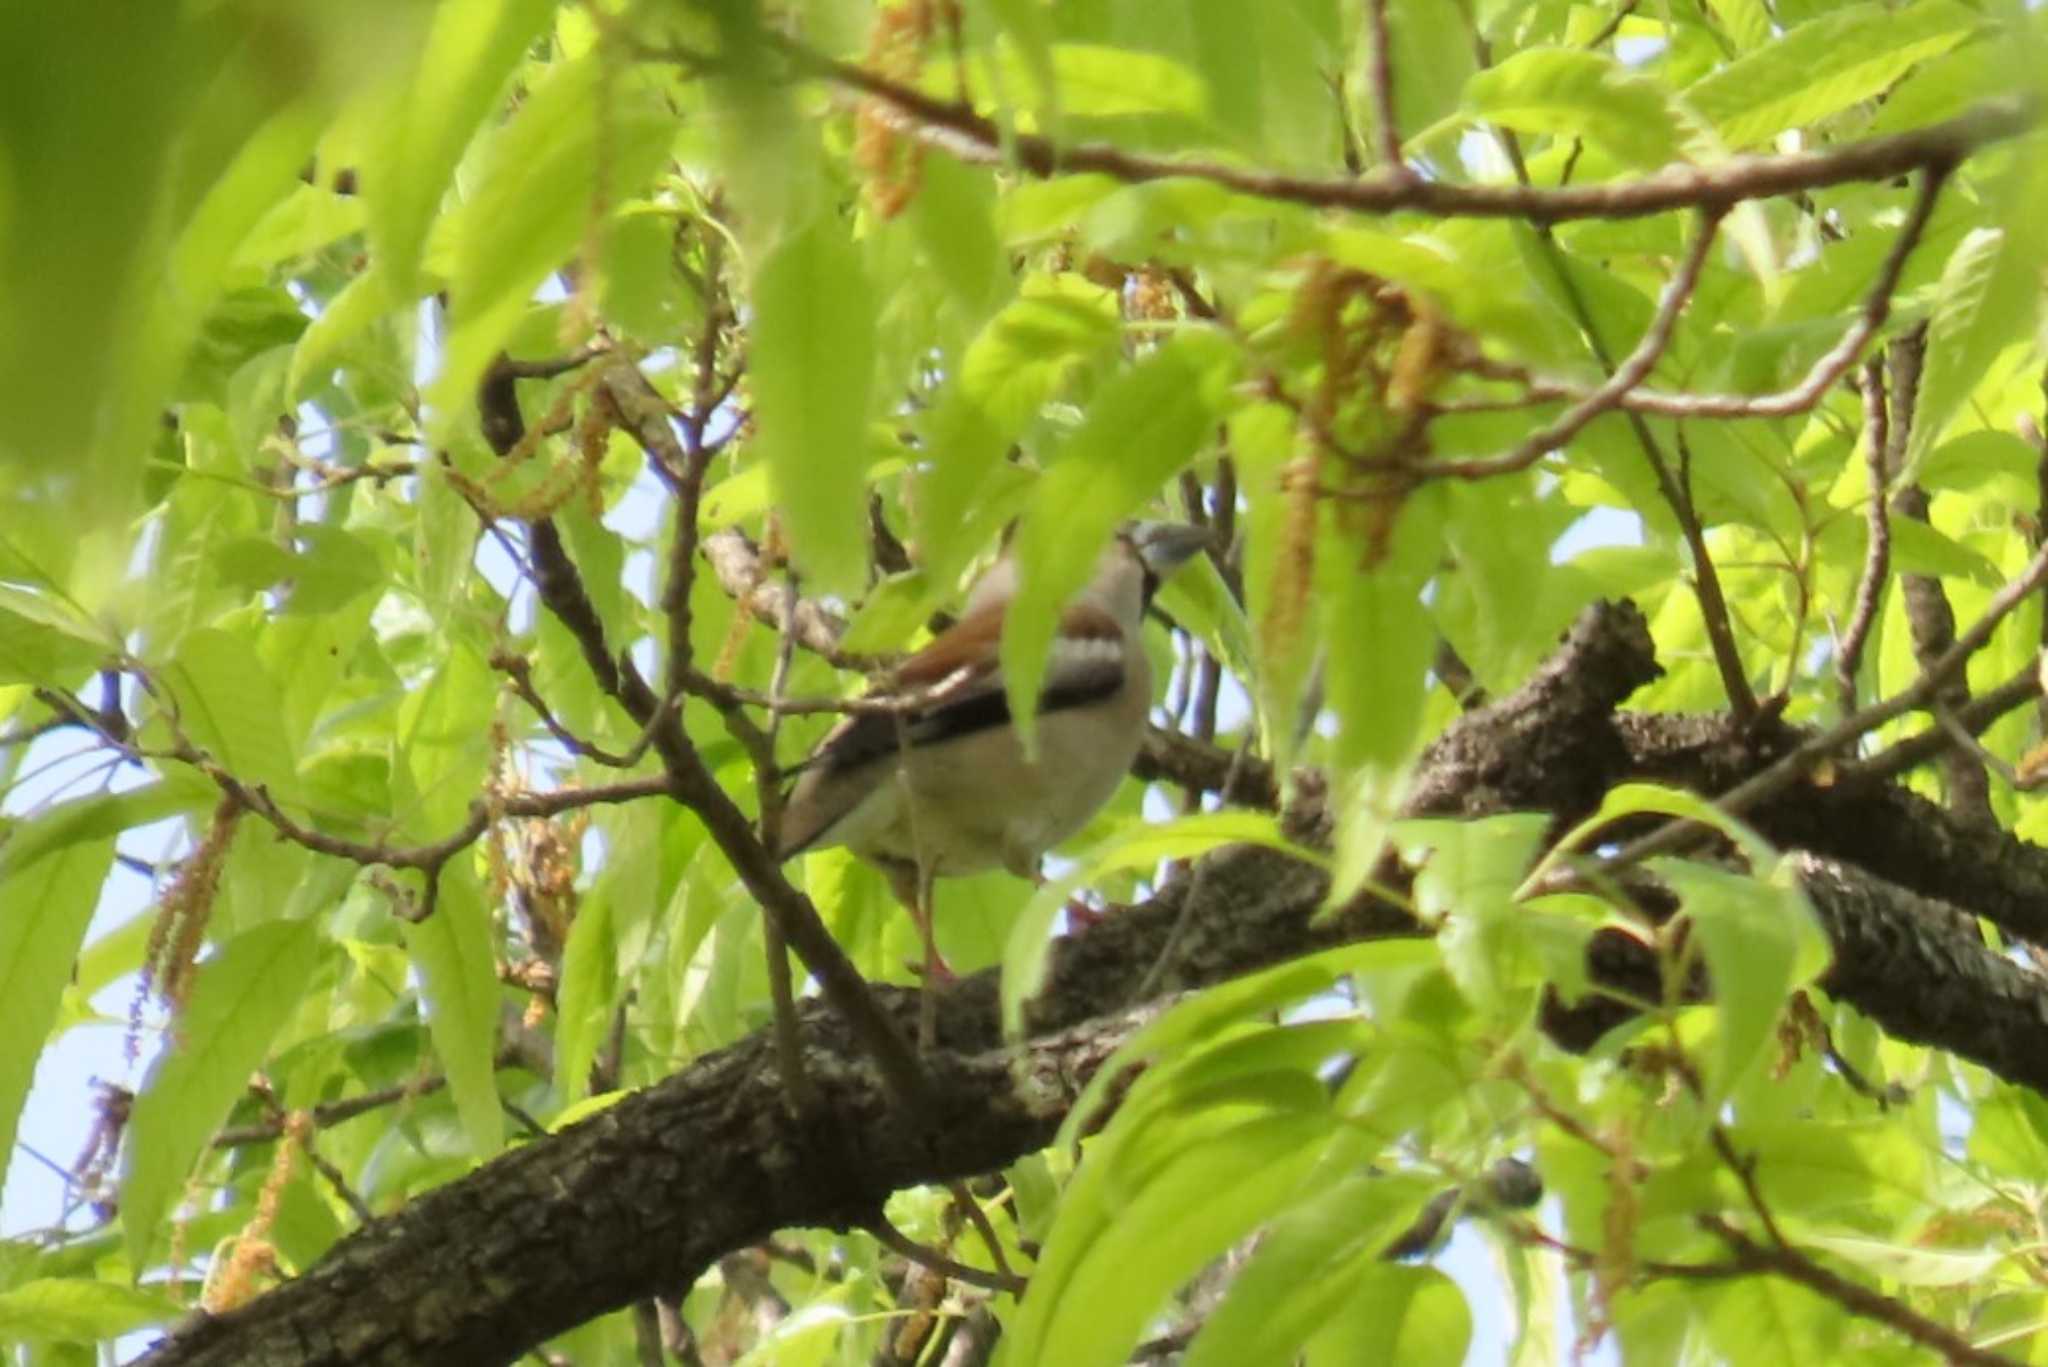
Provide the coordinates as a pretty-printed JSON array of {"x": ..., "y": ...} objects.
[
  {"x": 52, "y": 898},
  {"x": 812, "y": 376},
  {"x": 459, "y": 977},
  {"x": 239, "y": 999}
]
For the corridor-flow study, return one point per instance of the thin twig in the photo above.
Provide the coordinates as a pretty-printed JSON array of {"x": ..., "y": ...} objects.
[
  {"x": 1379, "y": 81},
  {"x": 1789, "y": 769},
  {"x": 960, "y": 132},
  {"x": 1782, "y": 1260},
  {"x": 1877, "y": 555},
  {"x": 1625, "y": 377},
  {"x": 896, "y": 1241}
]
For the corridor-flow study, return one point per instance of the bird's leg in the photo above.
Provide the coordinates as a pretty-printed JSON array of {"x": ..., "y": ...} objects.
[{"x": 913, "y": 887}]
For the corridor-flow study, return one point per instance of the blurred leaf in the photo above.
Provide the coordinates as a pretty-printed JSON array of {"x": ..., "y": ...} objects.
[
  {"x": 1306, "y": 1267},
  {"x": 1575, "y": 93},
  {"x": 1140, "y": 846},
  {"x": 230, "y": 708},
  {"x": 585, "y": 138},
  {"x": 1988, "y": 299},
  {"x": 78, "y": 1310},
  {"x": 811, "y": 376},
  {"x": 459, "y": 980},
  {"x": 1398, "y": 1314},
  {"x": 1826, "y": 66},
  {"x": 1147, "y": 423},
  {"x": 427, "y": 115},
  {"x": 583, "y": 1004},
  {"x": 52, "y": 900},
  {"x": 240, "y": 999},
  {"x": 1098, "y": 1282},
  {"x": 1761, "y": 941}
]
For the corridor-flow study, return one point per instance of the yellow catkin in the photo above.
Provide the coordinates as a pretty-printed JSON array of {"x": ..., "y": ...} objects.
[
  {"x": 253, "y": 1253},
  {"x": 179, "y": 930}
]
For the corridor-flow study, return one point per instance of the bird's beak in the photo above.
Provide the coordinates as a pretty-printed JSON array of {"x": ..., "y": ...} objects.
[{"x": 1166, "y": 546}]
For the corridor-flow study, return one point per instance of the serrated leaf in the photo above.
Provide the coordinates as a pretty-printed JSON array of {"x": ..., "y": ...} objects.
[
  {"x": 1825, "y": 66},
  {"x": 429, "y": 116},
  {"x": 1409, "y": 1315},
  {"x": 1143, "y": 426},
  {"x": 240, "y": 998},
  {"x": 811, "y": 373},
  {"x": 1987, "y": 300},
  {"x": 584, "y": 138},
  {"x": 459, "y": 979},
  {"x": 1919, "y": 549},
  {"x": 45, "y": 906},
  {"x": 1139, "y": 846},
  {"x": 229, "y": 707},
  {"x": 77, "y": 1310},
  {"x": 1305, "y": 1267},
  {"x": 1106, "y": 1269},
  {"x": 65, "y": 824},
  {"x": 583, "y": 1005},
  {"x": 1761, "y": 940},
  {"x": 1575, "y": 93}
]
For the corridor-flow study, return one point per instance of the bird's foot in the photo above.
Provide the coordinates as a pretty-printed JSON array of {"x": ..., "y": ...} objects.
[{"x": 936, "y": 971}]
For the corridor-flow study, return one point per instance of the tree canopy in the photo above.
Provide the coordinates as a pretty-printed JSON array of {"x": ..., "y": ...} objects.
[{"x": 456, "y": 459}]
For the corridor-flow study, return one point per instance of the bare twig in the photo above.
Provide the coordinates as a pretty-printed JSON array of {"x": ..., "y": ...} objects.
[
  {"x": 1974, "y": 718},
  {"x": 1626, "y": 376},
  {"x": 1794, "y": 764},
  {"x": 896, "y": 1241},
  {"x": 961, "y": 133},
  {"x": 1877, "y": 554},
  {"x": 1782, "y": 1260},
  {"x": 1379, "y": 79}
]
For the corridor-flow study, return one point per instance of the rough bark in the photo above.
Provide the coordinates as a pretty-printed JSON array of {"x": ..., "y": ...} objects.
[{"x": 641, "y": 1198}]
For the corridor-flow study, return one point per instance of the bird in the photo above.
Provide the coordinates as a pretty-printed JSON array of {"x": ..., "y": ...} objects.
[{"x": 936, "y": 782}]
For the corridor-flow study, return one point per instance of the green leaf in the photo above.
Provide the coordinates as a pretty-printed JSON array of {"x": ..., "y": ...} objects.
[
  {"x": 1146, "y": 424},
  {"x": 1093, "y": 80},
  {"x": 1467, "y": 889},
  {"x": 432, "y": 109},
  {"x": 1761, "y": 940},
  {"x": 459, "y": 979},
  {"x": 229, "y": 707},
  {"x": 444, "y": 737},
  {"x": 811, "y": 372},
  {"x": 347, "y": 316},
  {"x": 1055, "y": 330},
  {"x": 586, "y": 137},
  {"x": 77, "y": 1310},
  {"x": 953, "y": 217},
  {"x": 1140, "y": 846},
  {"x": 1825, "y": 66},
  {"x": 583, "y": 1006},
  {"x": 1919, "y": 549},
  {"x": 1216, "y": 1009},
  {"x": 1107, "y": 1267},
  {"x": 1634, "y": 799},
  {"x": 1574, "y": 93},
  {"x": 240, "y": 999},
  {"x": 1987, "y": 299},
  {"x": 33, "y": 652},
  {"x": 65, "y": 824},
  {"x": 1409, "y": 1315},
  {"x": 1379, "y": 639},
  {"x": 49, "y": 903},
  {"x": 1306, "y": 1266}
]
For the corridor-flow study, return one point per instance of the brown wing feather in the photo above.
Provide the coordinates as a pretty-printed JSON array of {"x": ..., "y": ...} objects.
[{"x": 961, "y": 665}]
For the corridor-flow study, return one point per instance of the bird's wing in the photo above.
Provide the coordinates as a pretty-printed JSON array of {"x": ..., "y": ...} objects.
[{"x": 952, "y": 688}]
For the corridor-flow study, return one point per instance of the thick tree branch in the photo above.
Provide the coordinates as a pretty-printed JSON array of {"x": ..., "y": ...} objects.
[
  {"x": 641, "y": 1198},
  {"x": 962, "y": 133}
]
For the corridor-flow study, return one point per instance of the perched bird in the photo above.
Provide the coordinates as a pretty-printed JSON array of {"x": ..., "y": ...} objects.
[{"x": 939, "y": 786}]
